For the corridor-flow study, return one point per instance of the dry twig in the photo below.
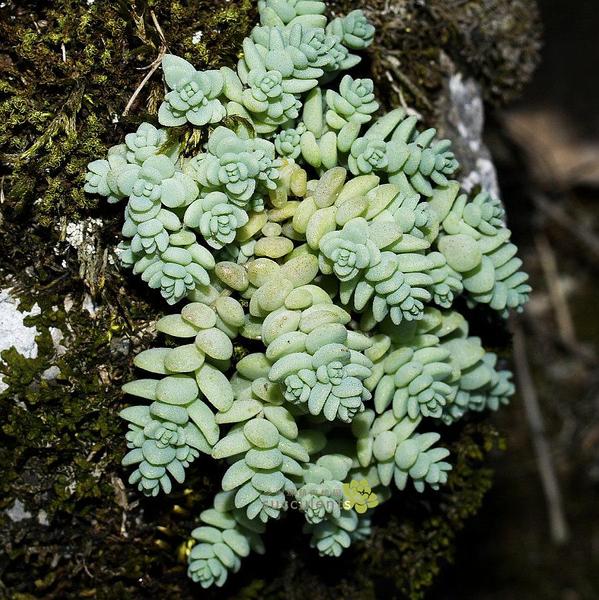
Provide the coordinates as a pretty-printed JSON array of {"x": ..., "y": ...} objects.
[
  {"x": 557, "y": 520},
  {"x": 152, "y": 67},
  {"x": 556, "y": 290}
]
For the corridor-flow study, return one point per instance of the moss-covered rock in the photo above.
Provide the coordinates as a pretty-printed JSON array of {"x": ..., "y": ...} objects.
[
  {"x": 69, "y": 526},
  {"x": 496, "y": 41}
]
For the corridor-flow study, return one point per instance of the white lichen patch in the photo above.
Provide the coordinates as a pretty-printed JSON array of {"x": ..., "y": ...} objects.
[
  {"x": 13, "y": 332},
  {"x": 467, "y": 117},
  {"x": 57, "y": 336},
  {"x": 51, "y": 373},
  {"x": 78, "y": 234},
  {"x": 17, "y": 512},
  {"x": 89, "y": 306},
  {"x": 197, "y": 37}
]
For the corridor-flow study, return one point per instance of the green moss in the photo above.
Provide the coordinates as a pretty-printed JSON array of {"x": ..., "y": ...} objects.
[{"x": 69, "y": 70}]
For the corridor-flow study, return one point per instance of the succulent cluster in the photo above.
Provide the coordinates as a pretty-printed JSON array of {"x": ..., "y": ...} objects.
[{"x": 335, "y": 242}]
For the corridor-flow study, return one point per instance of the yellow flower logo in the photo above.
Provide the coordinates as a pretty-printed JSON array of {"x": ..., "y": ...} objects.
[{"x": 359, "y": 496}]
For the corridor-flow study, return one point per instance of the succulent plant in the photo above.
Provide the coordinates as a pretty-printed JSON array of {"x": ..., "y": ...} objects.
[
  {"x": 321, "y": 497},
  {"x": 355, "y": 31},
  {"x": 145, "y": 142},
  {"x": 163, "y": 443},
  {"x": 217, "y": 219},
  {"x": 265, "y": 97},
  {"x": 312, "y": 243},
  {"x": 368, "y": 156},
  {"x": 355, "y": 101},
  {"x": 194, "y": 95},
  {"x": 333, "y": 536},
  {"x": 286, "y": 11},
  {"x": 101, "y": 177},
  {"x": 348, "y": 252},
  {"x": 239, "y": 167},
  {"x": 287, "y": 141},
  {"x": 224, "y": 538}
]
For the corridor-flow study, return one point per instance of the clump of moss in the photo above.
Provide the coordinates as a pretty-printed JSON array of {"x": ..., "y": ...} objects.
[
  {"x": 69, "y": 70},
  {"x": 495, "y": 41}
]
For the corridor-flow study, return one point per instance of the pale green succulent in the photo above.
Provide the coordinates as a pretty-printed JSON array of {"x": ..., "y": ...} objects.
[
  {"x": 446, "y": 282},
  {"x": 266, "y": 97},
  {"x": 480, "y": 387},
  {"x": 368, "y": 155},
  {"x": 332, "y": 537},
  {"x": 355, "y": 101},
  {"x": 101, "y": 177},
  {"x": 225, "y": 537},
  {"x": 478, "y": 247},
  {"x": 397, "y": 453},
  {"x": 483, "y": 213},
  {"x": 427, "y": 163},
  {"x": 287, "y": 141},
  {"x": 414, "y": 458},
  {"x": 502, "y": 390},
  {"x": 179, "y": 270},
  {"x": 163, "y": 442},
  {"x": 287, "y": 11},
  {"x": 259, "y": 478},
  {"x": 331, "y": 388},
  {"x": 314, "y": 44},
  {"x": 415, "y": 382},
  {"x": 398, "y": 286},
  {"x": 145, "y": 142},
  {"x": 166, "y": 436},
  {"x": 322, "y": 372},
  {"x": 148, "y": 236},
  {"x": 217, "y": 219},
  {"x": 354, "y": 30},
  {"x": 293, "y": 52},
  {"x": 321, "y": 497},
  {"x": 348, "y": 252},
  {"x": 156, "y": 182},
  {"x": 413, "y": 216},
  {"x": 319, "y": 501},
  {"x": 194, "y": 95},
  {"x": 312, "y": 242},
  {"x": 489, "y": 268},
  {"x": 236, "y": 166}
]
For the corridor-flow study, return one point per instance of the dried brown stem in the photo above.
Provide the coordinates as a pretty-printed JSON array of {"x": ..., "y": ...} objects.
[{"x": 557, "y": 520}]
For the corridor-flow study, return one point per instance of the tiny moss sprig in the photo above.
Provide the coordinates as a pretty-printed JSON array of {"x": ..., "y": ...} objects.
[{"x": 333, "y": 243}]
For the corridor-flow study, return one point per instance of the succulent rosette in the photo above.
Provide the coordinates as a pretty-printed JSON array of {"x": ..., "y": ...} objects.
[
  {"x": 216, "y": 218},
  {"x": 354, "y": 101},
  {"x": 267, "y": 98},
  {"x": 194, "y": 95},
  {"x": 348, "y": 252},
  {"x": 354, "y": 29},
  {"x": 287, "y": 142},
  {"x": 145, "y": 142},
  {"x": 101, "y": 177}
]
